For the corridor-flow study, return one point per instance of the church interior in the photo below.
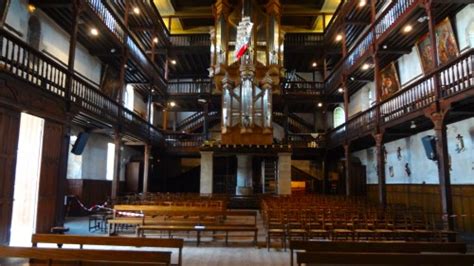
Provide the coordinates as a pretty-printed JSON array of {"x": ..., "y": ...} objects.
[{"x": 236, "y": 132}]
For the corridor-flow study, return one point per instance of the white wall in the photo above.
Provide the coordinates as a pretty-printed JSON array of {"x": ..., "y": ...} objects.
[
  {"x": 465, "y": 27},
  {"x": 409, "y": 67},
  {"x": 361, "y": 100},
  {"x": 422, "y": 169},
  {"x": 53, "y": 39}
]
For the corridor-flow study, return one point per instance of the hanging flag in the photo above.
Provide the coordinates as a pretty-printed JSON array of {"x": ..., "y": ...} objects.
[{"x": 244, "y": 31}]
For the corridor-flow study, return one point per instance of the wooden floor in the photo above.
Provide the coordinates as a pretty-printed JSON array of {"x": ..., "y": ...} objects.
[{"x": 240, "y": 250}]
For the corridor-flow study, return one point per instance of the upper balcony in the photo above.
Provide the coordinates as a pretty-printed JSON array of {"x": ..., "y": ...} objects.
[
  {"x": 401, "y": 110},
  {"x": 88, "y": 106},
  {"x": 386, "y": 33}
]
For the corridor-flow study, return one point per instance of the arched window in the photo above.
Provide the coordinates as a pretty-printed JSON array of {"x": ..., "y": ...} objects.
[{"x": 339, "y": 116}]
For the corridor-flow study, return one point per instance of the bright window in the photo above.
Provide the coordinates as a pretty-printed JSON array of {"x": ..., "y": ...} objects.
[
  {"x": 339, "y": 116},
  {"x": 129, "y": 97},
  {"x": 110, "y": 161}
]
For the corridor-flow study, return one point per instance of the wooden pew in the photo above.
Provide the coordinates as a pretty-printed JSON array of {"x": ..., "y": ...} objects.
[
  {"x": 106, "y": 257},
  {"x": 377, "y": 247},
  {"x": 354, "y": 258},
  {"x": 109, "y": 241}
]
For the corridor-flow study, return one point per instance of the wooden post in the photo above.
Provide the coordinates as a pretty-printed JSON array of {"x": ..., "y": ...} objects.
[
  {"x": 117, "y": 164},
  {"x": 165, "y": 118},
  {"x": 443, "y": 169},
  {"x": 434, "y": 48},
  {"x": 146, "y": 167},
  {"x": 347, "y": 154},
  {"x": 382, "y": 189},
  {"x": 76, "y": 10},
  {"x": 324, "y": 170}
]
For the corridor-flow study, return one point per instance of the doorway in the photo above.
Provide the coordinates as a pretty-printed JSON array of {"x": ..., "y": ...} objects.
[{"x": 25, "y": 195}]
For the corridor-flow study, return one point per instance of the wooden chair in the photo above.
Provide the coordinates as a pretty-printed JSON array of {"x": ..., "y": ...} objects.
[{"x": 276, "y": 228}]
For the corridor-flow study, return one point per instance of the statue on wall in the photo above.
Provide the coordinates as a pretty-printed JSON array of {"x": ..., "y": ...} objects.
[
  {"x": 459, "y": 143},
  {"x": 399, "y": 153},
  {"x": 407, "y": 169},
  {"x": 390, "y": 171}
]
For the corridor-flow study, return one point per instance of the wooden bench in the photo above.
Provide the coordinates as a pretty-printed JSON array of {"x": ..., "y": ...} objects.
[
  {"x": 106, "y": 257},
  {"x": 377, "y": 247},
  {"x": 109, "y": 241},
  {"x": 200, "y": 228},
  {"x": 355, "y": 258}
]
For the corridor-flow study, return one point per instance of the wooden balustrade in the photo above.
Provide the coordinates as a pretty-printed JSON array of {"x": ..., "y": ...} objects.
[
  {"x": 177, "y": 140},
  {"x": 189, "y": 87},
  {"x": 124, "y": 36},
  {"x": 361, "y": 123},
  {"x": 359, "y": 50},
  {"x": 457, "y": 76},
  {"x": 303, "y": 141},
  {"x": 303, "y": 88},
  {"x": 190, "y": 40},
  {"x": 306, "y": 39},
  {"x": 391, "y": 14},
  {"x": 26, "y": 63},
  {"x": 415, "y": 97}
]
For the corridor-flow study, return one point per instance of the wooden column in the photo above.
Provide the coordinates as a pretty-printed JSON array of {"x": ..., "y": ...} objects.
[
  {"x": 434, "y": 47},
  {"x": 382, "y": 188},
  {"x": 76, "y": 10},
  {"x": 165, "y": 119},
  {"x": 443, "y": 169},
  {"x": 117, "y": 164},
  {"x": 146, "y": 167},
  {"x": 324, "y": 170},
  {"x": 347, "y": 166}
]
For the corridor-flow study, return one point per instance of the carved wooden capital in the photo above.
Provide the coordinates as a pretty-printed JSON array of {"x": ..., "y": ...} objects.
[
  {"x": 438, "y": 120},
  {"x": 378, "y": 138},
  {"x": 221, "y": 7},
  {"x": 273, "y": 8}
]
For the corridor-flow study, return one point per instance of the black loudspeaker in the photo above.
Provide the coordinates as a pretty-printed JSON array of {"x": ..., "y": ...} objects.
[
  {"x": 429, "y": 143},
  {"x": 80, "y": 143}
]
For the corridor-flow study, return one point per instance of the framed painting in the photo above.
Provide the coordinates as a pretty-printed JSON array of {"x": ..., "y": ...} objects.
[
  {"x": 424, "y": 48},
  {"x": 446, "y": 42},
  {"x": 389, "y": 81}
]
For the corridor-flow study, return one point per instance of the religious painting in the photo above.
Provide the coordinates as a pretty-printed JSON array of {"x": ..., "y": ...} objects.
[
  {"x": 390, "y": 83},
  {"x": 446, "y": 42},
  {"x": 424, "y": 49},
  {"x": 446, "y": 46}
]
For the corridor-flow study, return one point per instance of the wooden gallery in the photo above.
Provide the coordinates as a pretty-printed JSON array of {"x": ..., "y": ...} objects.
[{"x": 236, "y": 132}]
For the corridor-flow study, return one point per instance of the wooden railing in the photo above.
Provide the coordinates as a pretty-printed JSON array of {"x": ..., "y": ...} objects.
[
  {"x": 304, "y": 141},
  {"x": 297, "y": 124},
  {"x": 390, "y": 15},
  {"x": 122, "y": 34},
  {"x": 415, "y": 97},
  {"x": 26, "y": 63},
  {"x": 304, "y": 39},
  {"x": 361, "y": 123},
  {"x": 383, "y": 23},
  {"x": 190, "y": 40},
  {"x": 303, "y": 88},
  {"x": 189, "y": 87},
  {"x": 182, "y": 140},
  {"x": 195, "y": 121},
  {"x": 455, "y": 77}
]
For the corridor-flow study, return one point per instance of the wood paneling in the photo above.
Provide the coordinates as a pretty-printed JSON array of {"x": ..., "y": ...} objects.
[
  {"x": 428, "y": 197},
  {"x": 89, "y": 192},
  {"x": 9, "y": 128},
  {"x": 50, "y": 194}
]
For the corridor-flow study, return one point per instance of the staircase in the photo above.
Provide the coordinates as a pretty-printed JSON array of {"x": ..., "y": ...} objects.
[
  {"x": 196, "y": 121},
  {"x": 296, "y": 124},
  {"x": 269, "y": 176}
]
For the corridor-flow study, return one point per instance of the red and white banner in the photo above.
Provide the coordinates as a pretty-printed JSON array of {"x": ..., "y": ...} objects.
[{"x": 244, "y": 31}]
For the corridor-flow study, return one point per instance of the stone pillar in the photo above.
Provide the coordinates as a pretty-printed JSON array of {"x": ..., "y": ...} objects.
[
  {"x": 244, "y": 175},
  {"x": 284, "y": 173},
  {"x": 206, "y": 172}
]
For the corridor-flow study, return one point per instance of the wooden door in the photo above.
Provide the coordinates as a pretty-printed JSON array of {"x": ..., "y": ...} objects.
[
  {"x": 9, "y": 132},
  {"x": 52, "y": 180}
]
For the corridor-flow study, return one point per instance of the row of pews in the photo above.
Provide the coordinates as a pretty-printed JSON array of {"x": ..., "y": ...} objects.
[
  {"x": 198, "y": 215},
  {"x": 307, "y": 217},
  {"x": 97, "y": 256},
  {"x": 379, "y": 253}
]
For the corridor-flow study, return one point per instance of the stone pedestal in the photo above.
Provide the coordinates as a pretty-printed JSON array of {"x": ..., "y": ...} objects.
[
  {"x": 284, "y": 173},
  {"x": 244, "y": 175},
  {"x": 206, "y": 172}
]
